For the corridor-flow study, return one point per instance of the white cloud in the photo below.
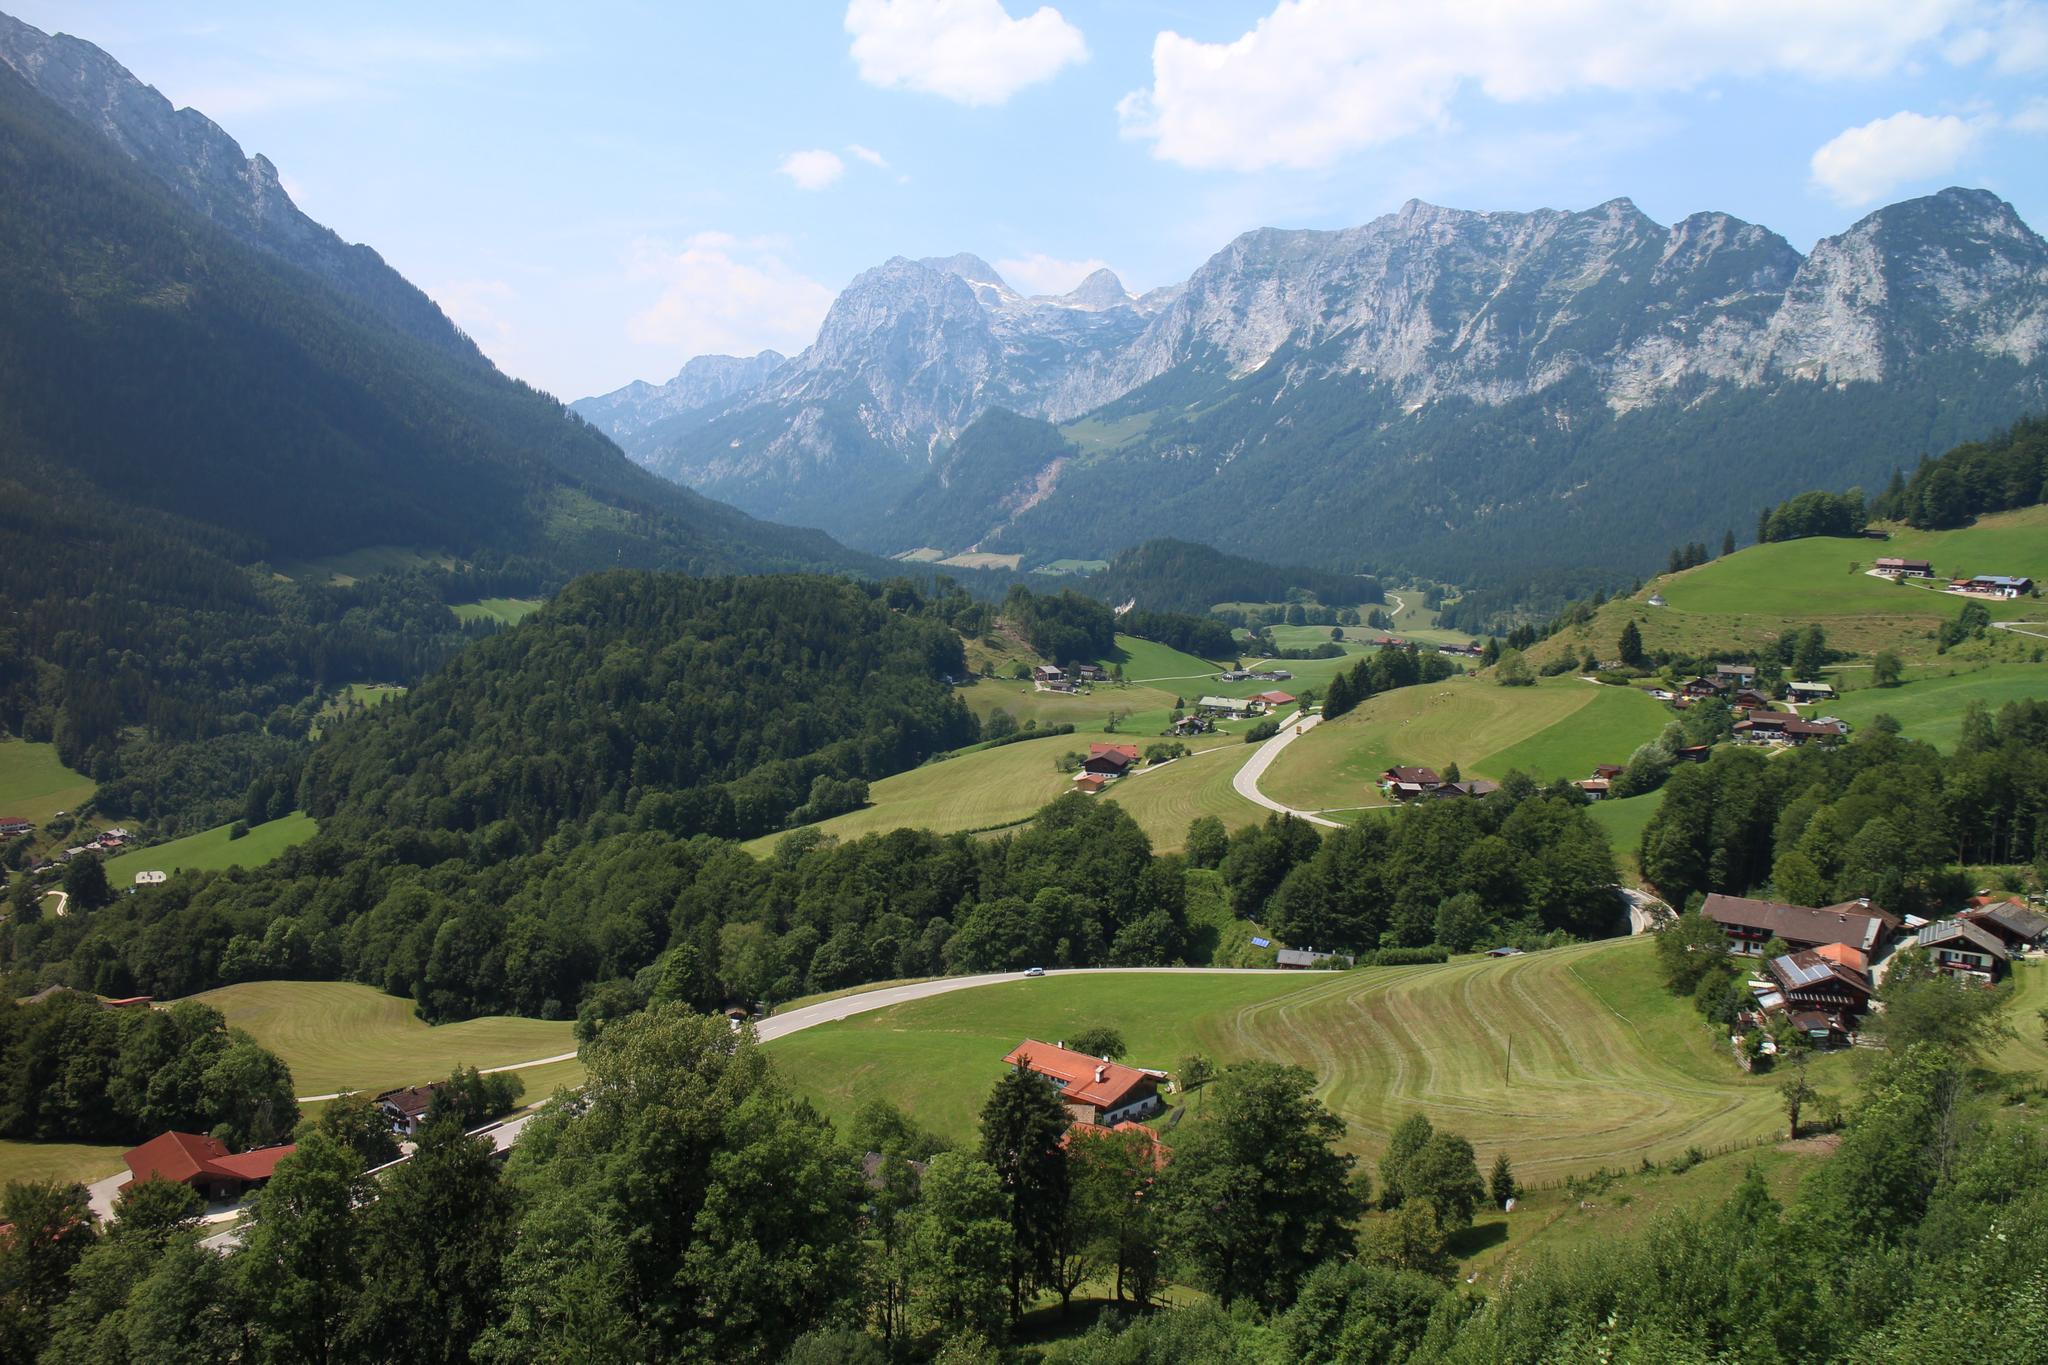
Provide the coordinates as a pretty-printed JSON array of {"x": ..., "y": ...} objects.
[
  {"x": 1318, "y": 79},
  {"x": 2031, "y": 118},
  {"x": 813, "y": 169},
  {"x": 1862, "y": 165},
  {"x": 723, "y": 296},
  {"x": 868, "y": 154},
  {"x": 1039, "y": 273},
  {"x": 971, "y": 51}
]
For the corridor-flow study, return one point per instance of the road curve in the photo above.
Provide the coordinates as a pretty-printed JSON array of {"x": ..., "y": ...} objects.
[{"x": 1246, "y": 782}]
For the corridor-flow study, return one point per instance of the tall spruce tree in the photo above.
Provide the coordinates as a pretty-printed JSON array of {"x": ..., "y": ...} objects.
[{"x": 1022, "y": 1126}]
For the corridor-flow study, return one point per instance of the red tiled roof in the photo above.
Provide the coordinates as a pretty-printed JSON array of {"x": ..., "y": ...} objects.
[
  {"x": 1097, "y": 749},
  {"x": 1275, "y": 698},
  {"x": 184, "y": 1157},
  {"x": 1081, "y": 1079},
  {"x": 1423, "y": 776}
]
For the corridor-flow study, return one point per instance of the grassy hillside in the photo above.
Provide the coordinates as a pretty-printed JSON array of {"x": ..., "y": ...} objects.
[
  {"x": 1607, "y": 1067},
  {"x": 1624, "y": 822},
  {"x": 1931, "y": 708},
  {"x": 1559, "y": 728},
  {"x": 1166, "y": 801},
  {"x": 79, "y": 1161},
  {"x": 1146, "y": 660},
  {"x": 1747, "y": 599},
  {"x": 508, "y": 611},
  {"x": 35, "y": 784},
  {"x": 337, "y": 1035},
  {"x": 211, "y": 850}
]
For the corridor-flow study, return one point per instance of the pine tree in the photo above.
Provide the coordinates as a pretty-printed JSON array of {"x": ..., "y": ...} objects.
[
  {"x": 1501, "y": 1185},
  {"x": 1022, "y": 1126},
  {"x": 1728, "y": 542},
  {"x": 1630, "y": 646}
]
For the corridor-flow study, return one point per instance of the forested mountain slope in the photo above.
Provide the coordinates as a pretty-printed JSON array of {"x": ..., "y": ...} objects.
[{"x": 180, "y": 409}]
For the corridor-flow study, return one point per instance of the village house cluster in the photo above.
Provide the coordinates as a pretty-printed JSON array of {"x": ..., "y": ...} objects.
[{"x": 1825, "y": 982}]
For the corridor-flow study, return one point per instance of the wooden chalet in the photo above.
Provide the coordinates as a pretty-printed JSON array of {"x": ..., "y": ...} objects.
[
  {"x": 1811, "y": 691},
  {"x": 1274, "y": 700},
  {"x": 1750, "y": 924},
  {"x": 1091, "y": 673},
  {"x": 1810, "y": 981},
  {"x": 1904, "y": 568},
  {"x": 1703, "y": 687},
  {"x": 2018, "y": 927},
  {"x": 1694, "y": 753},
  {"x": 1405, "y": 784},
  {"x": 1109, "y": 761},
  {"x": 1782, "y": 727},
  {"x": 406, "y": 1109},
  {"x": 1994, "y": 585},
  {"x": 1749, "y": 699},
  {"x": 1095, "y": 1090},
  {"x": 1740, "y": 675},
  {"x": 1048, "y": 673},
  {"x": 1607, "y": 772},
  {"x": 1595, "y": 788},
  {"x": 1966, "y": 950},
  {"x": 1471, "y": 786},
  {"x": 11, "y": 825},
  {"x": 1225, "y": 706}
]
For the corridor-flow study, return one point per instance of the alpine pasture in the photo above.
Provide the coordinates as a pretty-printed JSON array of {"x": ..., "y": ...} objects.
[{"x": 1571, "y": 1060}]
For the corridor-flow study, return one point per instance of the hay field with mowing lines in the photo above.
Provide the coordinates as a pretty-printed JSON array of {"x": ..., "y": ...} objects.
[
  {"x": 1165, "y": 801},
  {"x": 35, "y": 784},
  {"x": 1931, "y": 709},
  {"x": 507, "y": 611},
  {"x": 212, "y": 850},
  {"x": 1462, "y": 720},
  {"x": 1607, "y": 1067},
  {"x": 340, "y": 1035}
]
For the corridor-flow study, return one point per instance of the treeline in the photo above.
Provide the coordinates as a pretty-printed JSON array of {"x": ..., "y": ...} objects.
[
  {"x": 72, "y": 1070},
  {"x": 2007, "y": 471},
  {"x": 1064, "y": 627},
  {"x": 1814, "y": 514},
  {"x": 1381, "y": 671},
  {"x": 1882, "y": 816},
  {"x": 691, "y": 1207},
  {"x": 1528, "y": 863},
  {"x": 1181, "y": 576},
  {"x": 1205, "y": 637}
]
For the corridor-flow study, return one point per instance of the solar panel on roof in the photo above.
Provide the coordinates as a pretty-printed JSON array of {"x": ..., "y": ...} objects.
[{"x": 1262, "y": 943}]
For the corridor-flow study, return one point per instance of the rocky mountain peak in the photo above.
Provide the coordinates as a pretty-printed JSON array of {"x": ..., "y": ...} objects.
[{"x": 1102, "y": 289}]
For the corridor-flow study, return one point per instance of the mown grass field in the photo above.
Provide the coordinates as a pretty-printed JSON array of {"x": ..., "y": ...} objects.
[
  {"x": 339, "y": 1035},
  {"x": 211, "y": 850},
  {"x": 1747, "y": 599},
  {"x": 1606, "y": 729},
  {"x": 1607, "y": 1067},
  {"x": 1146, "y": 707},
  {"x": 348, "y": 567},
  {"x": 35, "y": 784},
  {"x": 66, "y": 1161},
  {"x": 508, "y": 611},
  {"x": 1624, "y": 822},
  {"x": 1559, "y": 728},
  {"x": 1165, "y": 801},
  {"x": 1143, "y": 660},
  {"x": 1931, "y": 708},
  {"x": 979, "y": 790}
]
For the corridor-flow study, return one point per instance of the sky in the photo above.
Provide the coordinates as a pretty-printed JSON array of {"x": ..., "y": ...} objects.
[{"x": 598, "y": 192}]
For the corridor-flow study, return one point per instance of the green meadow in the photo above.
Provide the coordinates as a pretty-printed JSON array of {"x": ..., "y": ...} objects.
[
  {"x": 35, "y": 784},
  {"x": 212, "y": 850},
  {"x": 1931, "y": 708}
]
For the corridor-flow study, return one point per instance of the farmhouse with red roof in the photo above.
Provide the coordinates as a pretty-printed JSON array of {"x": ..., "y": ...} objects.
[
  {"x": 1094, "y": 1089},
  {"x": 204, "y": 1163}
]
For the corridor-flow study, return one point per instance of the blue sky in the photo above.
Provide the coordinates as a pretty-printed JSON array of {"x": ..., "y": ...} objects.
[{"x": 598, "y": 192}]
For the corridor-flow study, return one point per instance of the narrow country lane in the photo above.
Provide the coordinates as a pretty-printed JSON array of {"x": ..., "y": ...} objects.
[{"x": 1246, "y": 782}]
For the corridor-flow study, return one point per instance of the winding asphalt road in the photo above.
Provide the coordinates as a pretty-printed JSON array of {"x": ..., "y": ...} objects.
[{"x": 1246, "y": 783}]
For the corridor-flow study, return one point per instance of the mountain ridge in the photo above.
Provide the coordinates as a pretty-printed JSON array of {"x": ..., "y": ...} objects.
[{"x": 1419, "y": 323}]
